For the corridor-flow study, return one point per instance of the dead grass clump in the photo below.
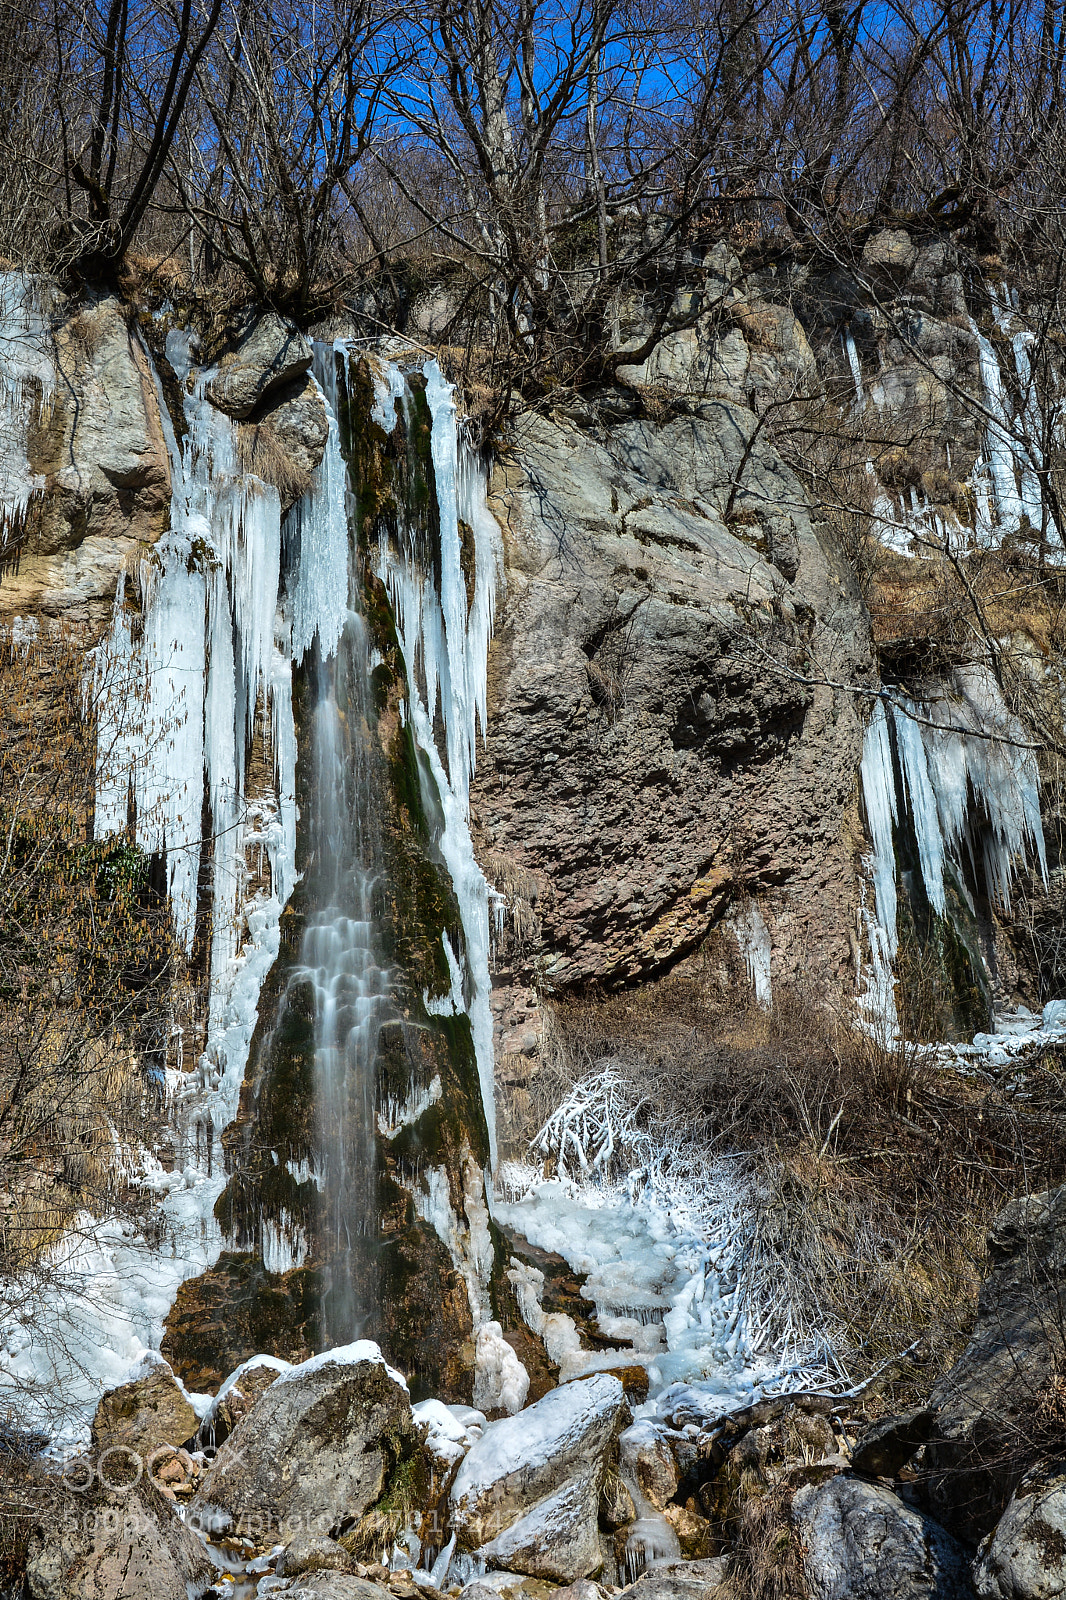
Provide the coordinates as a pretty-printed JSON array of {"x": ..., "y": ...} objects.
[
  {"x": 262, "y": 452},
  {"x": 30, "y": 1494},
  {"x": 766, "y": 1557}
]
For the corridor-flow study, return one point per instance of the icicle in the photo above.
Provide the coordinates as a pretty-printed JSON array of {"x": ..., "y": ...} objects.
[
  {"x": 753, "y": 936},
  {"x": 449, "y": 639},
  {"x": 922, "y": 803},
  {"x": 879, "y": 801},
  {"x": 320, "y": 601},
  {"x": 970, "y": 787},
  {"x": 856, "y": 367}
]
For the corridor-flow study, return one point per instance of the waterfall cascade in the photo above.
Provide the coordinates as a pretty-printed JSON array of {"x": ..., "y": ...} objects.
[{"x": 232, "y": 606}]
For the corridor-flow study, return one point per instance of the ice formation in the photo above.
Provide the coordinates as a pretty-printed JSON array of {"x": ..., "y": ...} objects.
[
  {"x": 753, "y": 937},
  {"x": 444, "y": 638},
  {"x": 667, "y": 1241},
  {"x": 965, "y": 776},
  {"x": 1005, "y": 481},
  {"x": 175, "y": 704}
]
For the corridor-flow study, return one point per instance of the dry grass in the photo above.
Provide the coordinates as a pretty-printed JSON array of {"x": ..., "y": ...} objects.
[
  {"x": 882, "y": 1170},
  {"x": 262, "y": 452}
]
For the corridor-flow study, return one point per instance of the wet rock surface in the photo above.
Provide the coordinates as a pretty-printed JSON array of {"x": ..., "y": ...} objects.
[{"x": 314, "y": 1452}]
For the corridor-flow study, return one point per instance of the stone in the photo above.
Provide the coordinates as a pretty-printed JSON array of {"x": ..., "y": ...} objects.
[
  {"x": 529, "y": 1490},
  {"x": 862, "y": 1543},
  {"x": 312, "y": 1553},
  {"x": 140, "y": 1416},
  {"x": 323, "y": 1585},
  {"x": 886, "y": 1446},
  {"x": 239, "y": 1394},
  {"x": 285, "y": 440},
  {"x": 271, "y": 352},
  {"x": 315, "y": 1451},
  {"x": 985, "y": 1407},
  {"x": 695, "y": 1535},
  {"x": 558, "y": 1538},
  {"x": 132, "y": 1546},
  {"x": 583, "y": 1589},
  {"x": 681, "y": 1580},
  {"x": 1024, "y": 1558},
  {"x": 892, "y": 251},
  {"x": 101, "y": 455}
]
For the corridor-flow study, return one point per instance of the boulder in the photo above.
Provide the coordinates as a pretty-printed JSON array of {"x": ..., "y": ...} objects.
[
  {"x": 330, "y": 1586},
  {"x": 891, "y": 253},
  {"x": 314, "y": 1452},
  {"x": 986, "y": 1407},
  {"x": 150, "y": 1410},
  {"x": 681, "y": 1580},
  {"x": 310, "y": 1552},
  {"x": 529, "y": 1489},
  {"x": 890, "y": 1442},
  {"x": 1024, "y": 1558},
  {"x": 862, "y": 1543},
  {"x": 558, "y": 1539},
  {"x": 239, "y": 1394},
  {"x": 271, "y": 352},
  {"x": 283, "y": 442},
  {"x": 132, "y": 1546}
]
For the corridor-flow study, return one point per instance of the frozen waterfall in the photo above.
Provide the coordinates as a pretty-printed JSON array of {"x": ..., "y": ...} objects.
[
  {"x": 957, "y": 764},
  {"x": 444, "y": 636}
]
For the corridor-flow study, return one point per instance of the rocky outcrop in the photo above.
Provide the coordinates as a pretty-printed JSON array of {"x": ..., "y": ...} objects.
[
  {"x": 268, "y": 353},
  {"x": 141, "y": 1415},
  {"x": 315, "y": 1451},
  {"x": 988, "y": 1410},
  {"x": 1025, "y": 1557},
  {"x": 660, "y": 748},
  {"x": 128, "y": 1547},
  {"x": 682, "y": 1580},
  {"x": 99, "y": 452},
  {"x": 527, "y": 1493},
  {"x": 862, "y": 1543}
]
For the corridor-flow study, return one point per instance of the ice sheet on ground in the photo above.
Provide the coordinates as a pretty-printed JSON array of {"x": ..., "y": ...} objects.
[
  {"x": 1017, "y": 1034},
  {"x": 668, "y": 1244}
]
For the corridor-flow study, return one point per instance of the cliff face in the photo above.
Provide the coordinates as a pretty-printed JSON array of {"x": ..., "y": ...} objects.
[
  {"x": 660, "y": 752},
  {"x": 98, "y": 461}
]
